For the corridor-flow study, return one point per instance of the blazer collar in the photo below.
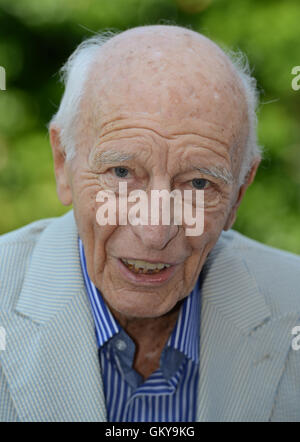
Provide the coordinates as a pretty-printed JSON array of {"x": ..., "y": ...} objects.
[
  {"x": 229, "y": 285},
  {"x": 243, "y": 349},
  {"x": 54, "y": 275}
]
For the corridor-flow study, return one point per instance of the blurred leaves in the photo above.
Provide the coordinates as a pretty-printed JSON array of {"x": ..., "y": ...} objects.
[
  {"x": 193, "y": 6},
  {"x": 36, "y": 37}
]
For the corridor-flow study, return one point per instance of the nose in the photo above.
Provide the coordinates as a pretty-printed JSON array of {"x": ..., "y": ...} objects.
[{"x": 157, "y": 236}]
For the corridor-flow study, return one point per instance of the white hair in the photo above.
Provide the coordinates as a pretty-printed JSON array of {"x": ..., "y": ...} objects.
[
  {"x": 252, "y": 150},
  {"x": 74, "y": 75}
]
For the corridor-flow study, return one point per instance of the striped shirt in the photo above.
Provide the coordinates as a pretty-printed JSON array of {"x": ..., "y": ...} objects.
[{"x": 169, "y": 393}]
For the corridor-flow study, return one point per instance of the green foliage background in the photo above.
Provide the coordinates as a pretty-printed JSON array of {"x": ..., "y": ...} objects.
[{"x": 37, "y": 36}]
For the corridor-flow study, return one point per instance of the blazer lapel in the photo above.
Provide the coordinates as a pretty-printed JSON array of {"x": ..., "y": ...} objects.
[
  {"x": 243, "y": 350},
  {"x": 51, "y": 360}
]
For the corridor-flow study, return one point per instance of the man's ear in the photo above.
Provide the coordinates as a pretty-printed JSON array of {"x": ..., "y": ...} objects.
[
  {"x": 59, "y": 157},
  {"x": 248, "y": 180}
]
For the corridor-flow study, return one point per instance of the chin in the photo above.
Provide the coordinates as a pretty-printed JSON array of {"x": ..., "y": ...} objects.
[{"x": 137, "y": 308}]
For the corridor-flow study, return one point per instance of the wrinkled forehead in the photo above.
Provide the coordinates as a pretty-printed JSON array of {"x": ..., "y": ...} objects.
[{"x": 178, "y": 77}]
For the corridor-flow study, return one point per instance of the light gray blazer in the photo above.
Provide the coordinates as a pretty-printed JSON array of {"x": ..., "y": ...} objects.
[{"x": 50, "y": 370}]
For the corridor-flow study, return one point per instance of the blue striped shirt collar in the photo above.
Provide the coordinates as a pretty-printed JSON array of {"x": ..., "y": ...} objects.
[{"x": 186, "y": 333}]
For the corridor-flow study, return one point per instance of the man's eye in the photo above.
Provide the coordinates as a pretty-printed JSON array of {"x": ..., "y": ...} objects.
[
  {"x": 199, "y": 183},
  {"x": 121, "y": 172}
]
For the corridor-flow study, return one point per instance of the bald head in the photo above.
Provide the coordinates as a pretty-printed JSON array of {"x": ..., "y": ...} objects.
[
  {"x": 169, "y": 72},
  {"x": 168, "y": 65}
]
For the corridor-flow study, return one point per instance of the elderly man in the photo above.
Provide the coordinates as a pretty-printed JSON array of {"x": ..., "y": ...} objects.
[{"x": 142, "y": 322}]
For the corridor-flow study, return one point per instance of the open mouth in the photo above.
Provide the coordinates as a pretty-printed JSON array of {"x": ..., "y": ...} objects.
[{"x": 144, "y": 267}]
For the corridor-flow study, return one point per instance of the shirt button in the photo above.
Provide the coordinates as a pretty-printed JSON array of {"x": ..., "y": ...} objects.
[{"x": 121, "y": 345}]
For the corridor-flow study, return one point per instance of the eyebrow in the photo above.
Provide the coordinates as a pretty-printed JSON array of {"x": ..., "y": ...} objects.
[
  {"x": 115, "y": 156},
  {"x": 220, "y": 173},
  {"x": 112, "y": 156}
]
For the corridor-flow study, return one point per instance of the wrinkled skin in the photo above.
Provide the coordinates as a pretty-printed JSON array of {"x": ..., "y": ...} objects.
[{"x": 170, "y": 97}]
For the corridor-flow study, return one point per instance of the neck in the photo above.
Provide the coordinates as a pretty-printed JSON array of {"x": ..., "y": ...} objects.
[{"x": 150, "y": 336}]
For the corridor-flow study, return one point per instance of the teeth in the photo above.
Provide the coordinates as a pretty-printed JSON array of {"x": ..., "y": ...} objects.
[{"x": 144, "y": 266}]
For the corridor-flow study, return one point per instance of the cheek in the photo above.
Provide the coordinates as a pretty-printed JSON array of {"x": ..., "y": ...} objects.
[
  {"x": 84, "y": 204},
  {"x": 214, "y": 219},
  {"x": 201, "y": 245},
  {"x": 214, "y": 222},
  {"x": 93, "y": 235}
]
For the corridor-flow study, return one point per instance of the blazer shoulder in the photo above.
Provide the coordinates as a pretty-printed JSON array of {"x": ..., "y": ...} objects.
[
  {"x": 277, "y": 272},
  {"x": 28, "y": 233},
  {"x": 250, "y": 247},
  {"x": 16, "y": 248}
]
